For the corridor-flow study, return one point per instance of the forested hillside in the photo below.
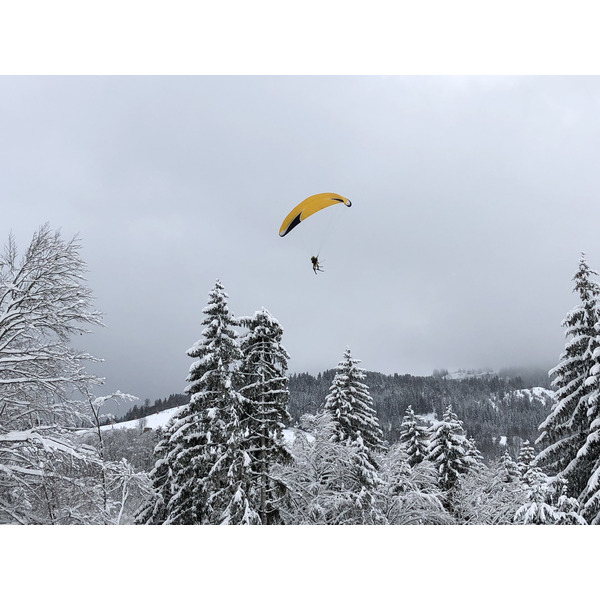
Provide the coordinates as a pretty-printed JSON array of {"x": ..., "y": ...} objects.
[
  {"x": 139, "y": 411},
  {"x": 499, "y": 410},
  {"x": 491, "y": 406}
]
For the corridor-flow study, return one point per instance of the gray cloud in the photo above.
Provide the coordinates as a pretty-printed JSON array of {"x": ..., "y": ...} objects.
[{"x": 472, "y": 198}]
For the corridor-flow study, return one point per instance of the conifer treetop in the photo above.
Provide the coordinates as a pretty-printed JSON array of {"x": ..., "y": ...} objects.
[
  {"x": 351, "y": 405},
  {"x": 218, "y": 351}
]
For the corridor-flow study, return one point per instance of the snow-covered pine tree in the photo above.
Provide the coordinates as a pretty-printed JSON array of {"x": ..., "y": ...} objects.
[
  {"x": 265, "y": 408},
  {"x": 590, "y": 496},
  {"x": 205, "y": 449},
  {"x": 222, "y": 464},
  {"x": 355, "y": 425},
  {"x": 564, "y": 432},
  {"x": 367, "y": 477},
  {"x": 526, "y": 458},
  {"x": 351, "y": 406},
  {"x": 449, "y": 450},
  {"x": 590, "y": 451},
  {"x": 414, "y": 437},
  {"x": 509, "y": 468},
  {"x": 547, "y": 502},
  {"x": 568, "y": 509},
  {"x": 475, "y": 453}
]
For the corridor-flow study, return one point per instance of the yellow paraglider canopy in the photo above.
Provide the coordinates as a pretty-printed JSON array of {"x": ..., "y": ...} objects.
[{"x": 309, "y": 207}]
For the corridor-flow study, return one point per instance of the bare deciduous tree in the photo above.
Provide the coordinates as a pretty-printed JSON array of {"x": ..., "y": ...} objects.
[{"x": 45, "y": 388}]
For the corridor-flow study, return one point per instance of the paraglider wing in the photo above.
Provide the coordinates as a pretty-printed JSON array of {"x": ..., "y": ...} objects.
[{"x": 309, "y": 207}]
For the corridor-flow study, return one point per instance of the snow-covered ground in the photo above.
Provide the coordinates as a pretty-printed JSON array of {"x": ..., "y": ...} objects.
[
  {"x": 539, "y": 394},
  {"x": 160, "y": 420},
  {"x": 152, "y": 421}
]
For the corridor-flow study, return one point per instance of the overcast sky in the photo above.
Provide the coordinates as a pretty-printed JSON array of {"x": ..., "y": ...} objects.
[{"x": 472, "y": 198}]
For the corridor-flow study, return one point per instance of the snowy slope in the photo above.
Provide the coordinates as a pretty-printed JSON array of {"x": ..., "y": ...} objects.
[
  {"x": 152, "y": 421},
  {"x": 160, "y": 420},
  {"x": 539, "y": 394}
]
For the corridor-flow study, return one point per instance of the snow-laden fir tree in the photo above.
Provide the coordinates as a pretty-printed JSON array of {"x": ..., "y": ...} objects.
[
  {"x": 509, "y": 468},
  {"x": 475, "y": 453},
  {"x": 449, "y": 450},
  {"x": 205, "y": 451},
  {"x": 526, "y": 458},
  {"x": 564, "y": 432},
  {"x": 356, "y": 425},
  {"x": 351, "y": 407},
  {"x": 222, "y": 465},
  {"x": 414, "y": 436},
  {"x": 587, "y": 460},
  {"x": 568, "y": 508},
  {"x": 366, "y": 475},
  {"x": 265, "y": 408},
  {"x": 547, "y": 502},
  {"x": 590, "y": 451}
]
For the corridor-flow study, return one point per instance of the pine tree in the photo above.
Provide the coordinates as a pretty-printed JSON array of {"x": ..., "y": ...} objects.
[
  {"x": 538, "y": 508},
  {"x": 413, "y": 437},
  {"x": 205, "y": 448},
  {"x": 548, "y": 502},
  {"x": 265, "y": 414},
  {"x": 589, "y": 453},
  {"x": 355, "y": 424},
  {"x": 368, "y": 481},
  {"x": 351, "y": 406},
  {"x": 222, "y": 463},
  {"x": 449, "y": 450},
  {"x": 568, "y": 508},
  {"x": 509, "y": 468},
  {"x": 526, "y": 458},
  {"x": 474, "y": 453},
  {"x": 564, "y": 432}
]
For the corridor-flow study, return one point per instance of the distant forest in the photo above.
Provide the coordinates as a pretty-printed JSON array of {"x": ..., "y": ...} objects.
[
  {"x": 489, "y": 405},
  {"x": 140, "y": 411}
]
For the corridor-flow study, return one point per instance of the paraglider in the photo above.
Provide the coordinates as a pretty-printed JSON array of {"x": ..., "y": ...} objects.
[
  {"x": 315, "y": 263},
  {"x": 305, "y": 209},
  {"x": 309, "y": 207}
]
